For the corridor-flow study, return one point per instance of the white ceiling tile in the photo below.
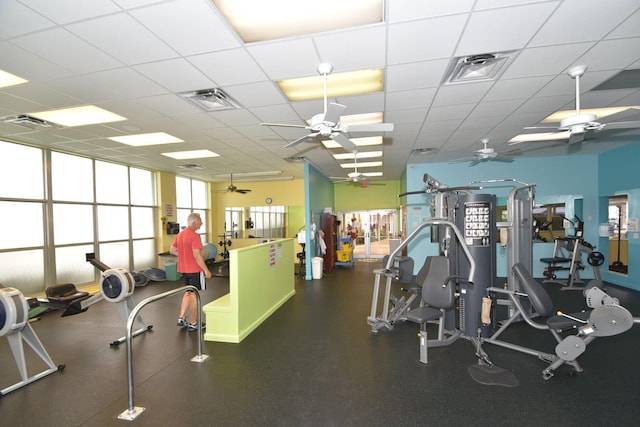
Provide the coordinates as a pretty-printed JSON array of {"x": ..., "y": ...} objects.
[
  {"x": 629, "y": 28},
  {"x": 29, "y": 66},
  {"x": 67, "y": 50},
  {"x": 609, "y": 54},
  {"x": 463, "y": 93},
  {"x": 66, "y": 11},
  {"x": 534, "y": 61},
  {"x": 17, "y": 19},
  {"x": 353, "y": 50},
  {"x": 501, "y": 30},
  {"x": 405, "y": 10},
  {"x": 449, "y": 112},
  {"x": 84, "y": 90},
  {"x": 176, "y": 75},
  {"x": 127, "y": 81},
  {"x": 415, "y": 75},
  {"x": 188, "y": 26},
  {"x": 411, "y": 115},
  {"x": 494, "y": 108},
  {"x": 275, "y": 113},
  {"x": 425, "y": 39},
  {"x": 286, "y": 59},
  {"x": 228, "y": 67},
  {"x": 583, "y": 20},
  {"x": 409, "y": 99},
  {"x": 256, "y": 94},
  {"x": 516, "y": 88},
  {"x": 123, "y": 38}
]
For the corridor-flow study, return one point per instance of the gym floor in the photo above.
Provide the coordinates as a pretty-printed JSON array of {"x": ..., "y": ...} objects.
[{"x": 314, "y": 362}]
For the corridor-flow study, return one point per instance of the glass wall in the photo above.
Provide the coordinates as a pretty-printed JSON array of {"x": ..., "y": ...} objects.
[{"x": 56, "y": 215}]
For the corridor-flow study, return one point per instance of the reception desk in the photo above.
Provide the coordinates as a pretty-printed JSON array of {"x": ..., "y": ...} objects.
[{"x": 261, "y": 279}]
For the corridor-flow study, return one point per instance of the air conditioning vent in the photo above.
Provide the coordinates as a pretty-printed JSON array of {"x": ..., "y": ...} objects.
[
  {"x": 475, "y": 68},
  {"x": 191, "y": 166},
  {"x": 211, "y": 100},
  {"x": 29, "y": 121}
]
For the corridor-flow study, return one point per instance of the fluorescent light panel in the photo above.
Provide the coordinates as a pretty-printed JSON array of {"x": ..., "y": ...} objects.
[
  {"x": 79, "y": 116},
  {"x": 259, "y": 20},
  {"x": 338, "y": 84},
  {"x": 144, "y": 139},
  {"x": 359, "y": 142},
  {"x": 600, "y": 113},
  {"x": 361, "y": 165},
  {"x": 193, "y": 154},
  {"x": 367, "y": 174},
  {"x": 8, "y": 79},
  {"x": 543, "y": 136},
  {"x": 248, "y": 174},
  {"x": 358, "y": 155}
]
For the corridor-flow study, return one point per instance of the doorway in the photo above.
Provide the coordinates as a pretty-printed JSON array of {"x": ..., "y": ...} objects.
[
  {"x": 372, "y": 231},
  {"x": 618, "y": 243}
]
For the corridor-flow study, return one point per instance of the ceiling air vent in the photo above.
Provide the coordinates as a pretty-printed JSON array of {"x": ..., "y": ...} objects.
[
  {"x": 29, "y": 121},
  {"x": 475, "y": 68},
  {"x": 191, "y": 166},
  {"x": 423, "y": 151},
  {"x": 211, "y": 100}
]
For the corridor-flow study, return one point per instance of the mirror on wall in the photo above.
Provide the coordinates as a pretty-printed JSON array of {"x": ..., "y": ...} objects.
[
  {"x": 618, "y": 243},
  {"x": 255, "y": 222}
]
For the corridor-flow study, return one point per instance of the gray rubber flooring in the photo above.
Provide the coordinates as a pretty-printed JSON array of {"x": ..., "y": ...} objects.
[{"x": 312, "y": 363}]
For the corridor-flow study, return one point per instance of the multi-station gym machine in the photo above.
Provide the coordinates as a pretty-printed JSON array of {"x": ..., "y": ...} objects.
[{"x": 464, "y": 226}]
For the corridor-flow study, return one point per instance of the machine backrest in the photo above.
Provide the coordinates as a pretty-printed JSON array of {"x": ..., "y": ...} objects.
[
  {"x": 539, "y": 298},
  {"x": 437, "y": 290}
]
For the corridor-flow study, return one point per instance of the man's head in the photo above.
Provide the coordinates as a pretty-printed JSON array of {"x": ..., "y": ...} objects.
[{"x": 194, "y": 221}]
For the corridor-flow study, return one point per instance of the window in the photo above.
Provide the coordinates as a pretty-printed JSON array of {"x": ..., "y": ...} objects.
[
  {"x": 192, "y": 196},
  {"x": 91, "y": 206}
]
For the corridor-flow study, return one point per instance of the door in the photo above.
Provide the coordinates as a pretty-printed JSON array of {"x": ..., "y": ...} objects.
[{"x": 372, "y": 230}]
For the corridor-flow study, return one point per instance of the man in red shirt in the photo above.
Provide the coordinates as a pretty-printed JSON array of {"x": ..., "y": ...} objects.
[{"x": 188, "y": 248}]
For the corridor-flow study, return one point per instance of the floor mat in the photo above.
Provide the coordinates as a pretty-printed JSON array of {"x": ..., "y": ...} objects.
[{"x": 492, "y": 375}]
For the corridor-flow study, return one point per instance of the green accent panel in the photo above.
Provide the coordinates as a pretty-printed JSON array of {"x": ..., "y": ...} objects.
[{"x": 261, "y": 279}]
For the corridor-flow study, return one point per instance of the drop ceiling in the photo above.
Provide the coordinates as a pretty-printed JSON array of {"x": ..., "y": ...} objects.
[{"x": 136, "y": 57}]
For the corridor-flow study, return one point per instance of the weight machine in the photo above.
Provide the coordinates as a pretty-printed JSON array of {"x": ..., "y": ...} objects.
[
  {"x": 14, "y": 325},
  {"x": 567, "y": 256}
]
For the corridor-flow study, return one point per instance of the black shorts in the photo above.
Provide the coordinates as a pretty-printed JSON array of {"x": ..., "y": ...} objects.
[{"x": 195, "y": 279}]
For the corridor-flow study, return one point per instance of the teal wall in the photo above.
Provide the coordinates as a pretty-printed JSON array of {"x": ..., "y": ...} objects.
[
  {"x": 318, "y": 194},
  {"x": 583, "y": 182},
  {"x": 619, "y": 175}
]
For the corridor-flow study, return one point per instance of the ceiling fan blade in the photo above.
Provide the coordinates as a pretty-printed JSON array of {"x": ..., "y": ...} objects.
[
  {"x": 284, "y": 125},
  {"x": 343, "y": 141},
  {"x": 302, "y": 139},
  {"x": 242, "y": 190},
  {"x": 622, "y": 125},
  {"x": 576, "y": 137},
  {"x": 371, "y": 127},
  {"x": 334, "y": 111}
]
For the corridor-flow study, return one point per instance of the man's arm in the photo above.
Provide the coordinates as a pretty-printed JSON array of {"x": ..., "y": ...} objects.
[{"x": 197, "y": 254}]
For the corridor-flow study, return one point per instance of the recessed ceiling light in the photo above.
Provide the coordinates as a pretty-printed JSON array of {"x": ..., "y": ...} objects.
[
  {"x": 360, "y": 165},
  {"x": 193, "y": 154},
  {"x": 358, "y": 155},
  {"x": 144, "y": 139},
  {"x": 359, "y": 142},
  {"x": 259, "y": 20},
  {"x": 338, "y": 84},
  {"x": 79, "y": 116},
  {"x": 8, "y": 79}
]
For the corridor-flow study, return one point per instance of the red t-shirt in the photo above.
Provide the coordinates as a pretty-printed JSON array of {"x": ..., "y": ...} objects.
[{"x": 186, "y": 242}]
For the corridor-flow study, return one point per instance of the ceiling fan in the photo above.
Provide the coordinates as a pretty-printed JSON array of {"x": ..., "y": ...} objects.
[
  {"x": 576, "y": 127},
  {"x": 356, "y": 177},
  {"x": 488, "y": 153},
  {"x": 233, "y": 189},
  {"x": 327, "y": 124}
]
